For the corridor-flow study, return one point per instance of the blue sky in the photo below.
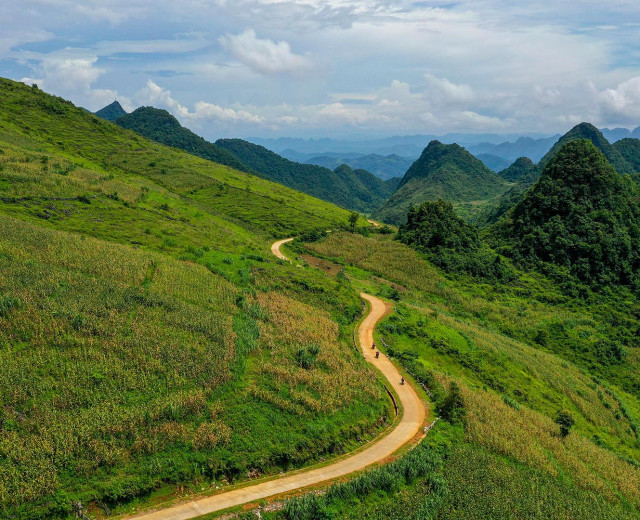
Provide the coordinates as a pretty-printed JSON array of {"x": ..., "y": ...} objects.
[{"x": 336, "y": 67}]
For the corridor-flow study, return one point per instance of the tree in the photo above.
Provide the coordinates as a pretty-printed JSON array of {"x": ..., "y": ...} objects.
[
  {"x": 452, "y": 408},
  {"x": 565, "y": 421},
  {"x": 353, "y": 219}
]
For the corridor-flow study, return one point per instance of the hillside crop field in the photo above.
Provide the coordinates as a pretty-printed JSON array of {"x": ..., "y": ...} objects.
[
  {"x": 148, "y": 340},
  {"x": 153, "y": 348}
]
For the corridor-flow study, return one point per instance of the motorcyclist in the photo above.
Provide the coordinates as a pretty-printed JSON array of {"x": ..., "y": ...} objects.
[{"x": 377, "y": 354}]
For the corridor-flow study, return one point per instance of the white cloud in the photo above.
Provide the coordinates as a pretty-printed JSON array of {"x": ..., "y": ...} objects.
[
  {"x": 263, "y": 55},
  {"x": 621, "y": 105},
  {"x": 73, "y": 77},
  {"x": 159, "y": 97},
  {"x": 444, "y": 91},
  {"x": 204, "y": 110}
]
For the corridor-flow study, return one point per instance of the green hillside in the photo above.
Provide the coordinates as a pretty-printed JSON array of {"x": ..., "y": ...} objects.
[
  {"x": 111, "y": 112},
  {"x": 519, "y": 353},
  {"x": 160, "y": 126},
  {"x": 152, "y": 348},
  {"x": 522, "y": 171},
  {"x": 629, "y": 149},
  {"x": 581, "y": 216},
  {"x": 360, "y": 191},
  {"x": 446, "y": 172},
  {"x": 590, "y": 132},
  {"x": 148, "y": 339}
]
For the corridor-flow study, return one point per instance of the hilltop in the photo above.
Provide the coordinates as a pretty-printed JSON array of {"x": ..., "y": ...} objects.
[
  {"x": 160, "y": 126},
  {"x": 590, "y": 132},
  {"x": 445, "y": 172},
  {"x": 523, "y": 170},
  {"x": 360, "y": 191},
  {"x": 582, "y": 216},
  {"x": 111, "y": 112}
]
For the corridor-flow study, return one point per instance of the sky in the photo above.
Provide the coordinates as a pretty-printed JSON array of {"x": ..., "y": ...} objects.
[{"x": 336, "y": 68}]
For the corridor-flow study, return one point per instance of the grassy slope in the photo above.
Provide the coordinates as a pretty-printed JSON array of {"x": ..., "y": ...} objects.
[
  {"x": 520, "y": 354},
  {"x": 146, "y": 334}
]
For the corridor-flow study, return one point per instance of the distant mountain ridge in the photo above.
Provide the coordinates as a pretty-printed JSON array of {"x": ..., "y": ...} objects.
[
  {"x": 493, "y": 162},
  {"x": 534, "y": 149},
  {"x": 385, "y": 167},
  {"x": 447, "y": 172},
  {"x": 353, "y": 189}
]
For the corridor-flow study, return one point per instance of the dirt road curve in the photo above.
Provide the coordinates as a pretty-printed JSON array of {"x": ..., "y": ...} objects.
[
  {"x": 275, "y": 248},
  {"x": 408, "y": 427}
]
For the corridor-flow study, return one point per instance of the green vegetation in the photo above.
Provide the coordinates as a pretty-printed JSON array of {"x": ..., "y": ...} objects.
[
  {"x": 160, "y": 126},
  {"x": 148, "y": 338},
  {"x": 450, "y": 243},
  {"x": 629, "y": 149},
  {"x": 565, "y": 421},
  {"x": 522, "y": 171},
  {"x": 581, "y": 216},
  {"x": 518, "y": 353},
  {"x": 445, "y": 172},
  {"x": 387, "y": 167},
  {"x": 358, "y": 190},
  {"x": 591, "y": 133}
]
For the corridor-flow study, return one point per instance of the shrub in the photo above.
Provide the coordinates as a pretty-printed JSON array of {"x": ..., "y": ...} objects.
[{"x": 566, "y": 421}]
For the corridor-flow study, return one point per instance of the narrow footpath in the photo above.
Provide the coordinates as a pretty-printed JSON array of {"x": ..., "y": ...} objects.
[{"x": 412, "y": 418}]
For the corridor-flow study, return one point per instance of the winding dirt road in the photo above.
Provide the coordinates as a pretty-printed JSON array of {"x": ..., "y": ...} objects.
[{"x": 407, "y": 428}]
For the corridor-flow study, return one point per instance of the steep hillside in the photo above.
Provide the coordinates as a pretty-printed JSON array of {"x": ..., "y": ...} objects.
[
  {"x": 590, "y": 132},
  {"x": 160, "y": 126},
  {"x": 363, "y": 192},
  {"x": 581, "y": 216},
  {"x": 629, "y": 149},
  {"x": 373, "y": 183},
  {"x": 147, "y": 338},
  {"x": 445, "y": 172},
  {"x": 111, "y": 112}
]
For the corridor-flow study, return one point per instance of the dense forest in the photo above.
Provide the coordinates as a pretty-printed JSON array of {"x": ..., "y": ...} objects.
[
  {"x": 581, "y": 216},
  {"x": 450, "y": 243}
]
